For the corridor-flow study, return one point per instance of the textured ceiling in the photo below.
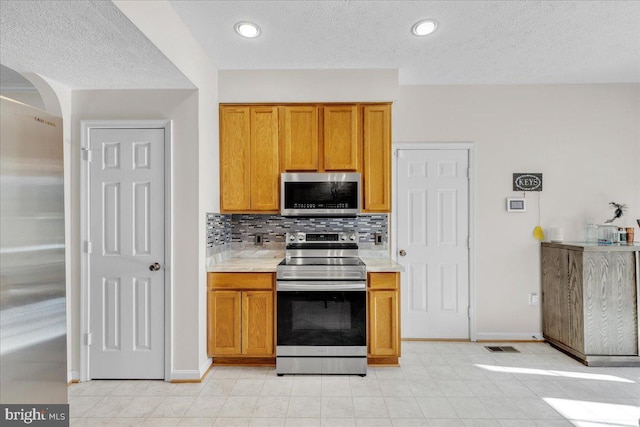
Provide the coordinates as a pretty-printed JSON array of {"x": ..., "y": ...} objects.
[
  {"x": 477, "y": 42},
  {"x": 92, "y": 44},
  {"x": 82, "y": 44}
]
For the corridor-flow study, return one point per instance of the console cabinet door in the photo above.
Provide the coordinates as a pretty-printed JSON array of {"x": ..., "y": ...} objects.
[
  {"x": 300, "y": 138},
  {"x": 224, "y": 322},
  {"x": 376, "y": 177},
  {"x": 235, "y": 159},
  {"x": 265, "y": 168},
  {"x": 340, "y": 138},
  {"x": 555, "y": 294},
  {"x": 257, "y": 323}
]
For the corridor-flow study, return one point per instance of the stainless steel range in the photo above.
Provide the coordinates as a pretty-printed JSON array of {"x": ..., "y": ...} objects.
[{"x": 321, "y": 306}]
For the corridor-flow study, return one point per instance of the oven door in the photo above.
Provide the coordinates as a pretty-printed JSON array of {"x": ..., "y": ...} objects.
[{"x": 321, "y": 322}]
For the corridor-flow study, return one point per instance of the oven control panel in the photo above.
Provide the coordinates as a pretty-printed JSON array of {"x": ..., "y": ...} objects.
[{"x": 342, "y": 237}]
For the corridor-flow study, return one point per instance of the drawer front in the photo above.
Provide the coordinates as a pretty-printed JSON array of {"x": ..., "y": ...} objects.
[
  {"x": 240, "y": 280},
  {"x": 383, "y": 280}
]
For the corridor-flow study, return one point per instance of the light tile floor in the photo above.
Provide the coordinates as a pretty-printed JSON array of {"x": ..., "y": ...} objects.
[{"x": 438, "y": 384}]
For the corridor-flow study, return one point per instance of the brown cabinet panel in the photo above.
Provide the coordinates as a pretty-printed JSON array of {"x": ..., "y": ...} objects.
[
  {"x": 555, "y": 291},
  {"x": 384, "y": 331},
  {"x": 383, "y": 280},
  {"x": 240, "y": 280},
  {"x": 224, "y": 323},
  {"x": 257, "y": 323},
  {"x": 384, "y": 317},
  {"x": 300, "y": 138},
  {"x": 265, "y": 168},
  {"x": 235, "y": 156},
  {"x": 340, "y": 138},
  {"x": 377, "y": 158}
]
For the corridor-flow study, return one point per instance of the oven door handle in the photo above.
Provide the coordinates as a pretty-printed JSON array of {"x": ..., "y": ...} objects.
[{"x": 320, "y": 286}]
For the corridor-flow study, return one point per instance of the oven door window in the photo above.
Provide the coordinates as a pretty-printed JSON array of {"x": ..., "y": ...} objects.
[{"x": 322, "y": 318}]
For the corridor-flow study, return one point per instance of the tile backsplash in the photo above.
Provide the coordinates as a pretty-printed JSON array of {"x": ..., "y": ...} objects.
[{"x": 222, "y": 230}]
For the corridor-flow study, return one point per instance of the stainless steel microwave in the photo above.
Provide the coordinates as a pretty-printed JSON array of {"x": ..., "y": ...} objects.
[{"x": 320, "y": 194}]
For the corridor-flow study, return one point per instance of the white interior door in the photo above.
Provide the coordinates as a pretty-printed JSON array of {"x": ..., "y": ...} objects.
[
  {"x": 432, "y": 233},
  {"x": 126, "y": 261}
]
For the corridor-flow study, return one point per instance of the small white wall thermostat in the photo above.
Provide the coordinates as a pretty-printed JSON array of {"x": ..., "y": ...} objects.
[{"x": 516, "y": 204}]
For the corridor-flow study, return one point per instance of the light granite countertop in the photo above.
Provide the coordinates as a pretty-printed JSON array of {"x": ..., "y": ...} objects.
[
  {"x": 381, "y": 265},
  {"x": 254, "y": 263}
]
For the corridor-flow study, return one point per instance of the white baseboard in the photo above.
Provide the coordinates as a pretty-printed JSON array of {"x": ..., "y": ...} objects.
[
  {"x": 206, "y": 364},
  {"x": 191, "y": 374},
  {"x": 509, "y": 336},
  {"x": 185, "y": 374},
  {"x": 73, "y": 376}
]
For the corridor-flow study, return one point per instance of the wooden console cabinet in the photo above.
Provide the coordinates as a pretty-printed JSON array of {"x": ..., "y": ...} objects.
[{"x": 590, "y": 302}]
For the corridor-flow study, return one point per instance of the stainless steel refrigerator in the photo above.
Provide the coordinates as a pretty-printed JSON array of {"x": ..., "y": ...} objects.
[{"x": 33, "y": 349}]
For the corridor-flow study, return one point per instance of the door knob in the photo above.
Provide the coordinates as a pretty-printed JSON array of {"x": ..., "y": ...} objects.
[
  {"x": 403, "y": 252},
  {"x": 154, "y": 267}
]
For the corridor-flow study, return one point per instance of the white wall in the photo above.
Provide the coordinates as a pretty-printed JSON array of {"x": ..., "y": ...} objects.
[
  {"x": 181, "y": 106},
  {"x": 585, "y": 139},
  {"x": 308, "y": 85},
  {"x": 153, "y": 19}
]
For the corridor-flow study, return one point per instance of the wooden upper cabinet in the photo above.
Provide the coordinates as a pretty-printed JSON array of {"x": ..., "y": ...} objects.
[
  {"x": 300, "y": 138},
  {"x": 257, "y": 142},
  {"x": 265, "y": 168},
  {"x": 249, "y": 158},
  {"x": 340, "y": 138},
  {"x": 376, "y": 177},
  {"x": 235, "y": 147}
]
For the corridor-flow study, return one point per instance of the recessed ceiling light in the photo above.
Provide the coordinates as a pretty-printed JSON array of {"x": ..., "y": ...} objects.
[
  {"x": 424, "y": 27},
  {"x": 247, "y": 29}
]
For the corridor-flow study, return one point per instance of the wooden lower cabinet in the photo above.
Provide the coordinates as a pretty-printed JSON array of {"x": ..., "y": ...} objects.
[
  {"x": 224, "y": 322},
  {"x": 241, "y": 319},
  {"x": 257, "y": 323},
  {"x": 384, "y": 318}
]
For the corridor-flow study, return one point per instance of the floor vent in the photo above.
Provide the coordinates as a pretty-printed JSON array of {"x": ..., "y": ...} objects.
[{"x": 501, "y": 349}]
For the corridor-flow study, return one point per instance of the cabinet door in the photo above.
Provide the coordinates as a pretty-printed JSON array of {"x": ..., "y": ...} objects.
[
  {"x": 377, "y": 158},
  {"x": 235, "y": 152},
  {"x": 340, "y": 140},
  {"x": 300, "y": 138},
  {"x": 265, "y": 169},
  {"x": 555, "y": 294},
  {"x": 383, "y": 323},
  {"x": 257, "y": 323},
  {"x": 224, "y": 323}
]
